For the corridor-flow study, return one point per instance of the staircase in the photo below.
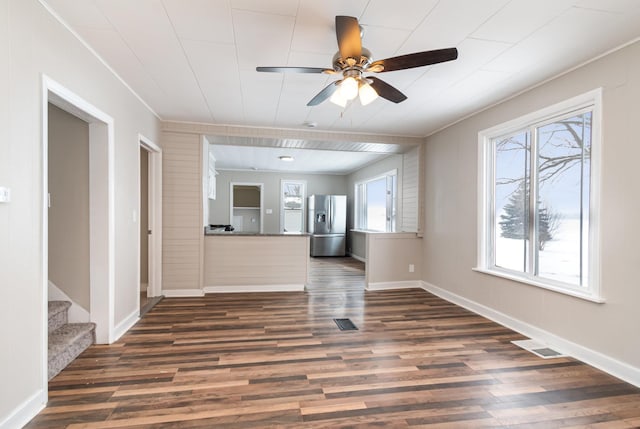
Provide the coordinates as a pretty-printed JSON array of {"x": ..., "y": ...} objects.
[{"x": 66, "y": 340}]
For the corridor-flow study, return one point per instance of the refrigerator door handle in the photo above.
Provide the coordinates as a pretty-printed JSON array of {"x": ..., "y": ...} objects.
[{"x": 330, "y": 215}]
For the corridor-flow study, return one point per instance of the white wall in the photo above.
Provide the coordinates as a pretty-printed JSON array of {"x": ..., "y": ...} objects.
[
  {"x": 451, "y": 209},
  {"x": 69, "y": 210},
  {"x": 33, "y": 43},
  {"x": 316, "y": 184}
]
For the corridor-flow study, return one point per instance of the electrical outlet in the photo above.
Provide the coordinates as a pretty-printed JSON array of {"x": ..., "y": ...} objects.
[{"x": 412, "y": 268}]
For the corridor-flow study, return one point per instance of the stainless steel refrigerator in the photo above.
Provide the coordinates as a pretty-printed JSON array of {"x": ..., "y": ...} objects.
[{"x": 328, "y": 224}]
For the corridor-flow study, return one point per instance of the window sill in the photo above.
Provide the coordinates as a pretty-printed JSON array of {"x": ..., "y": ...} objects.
[{"x": 574, "y": 293}]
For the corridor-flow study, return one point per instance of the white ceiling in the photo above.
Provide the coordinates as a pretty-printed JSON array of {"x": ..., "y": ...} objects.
[
  {"x": 305, "y": 160},
  {"x": 194, "y": 60}
]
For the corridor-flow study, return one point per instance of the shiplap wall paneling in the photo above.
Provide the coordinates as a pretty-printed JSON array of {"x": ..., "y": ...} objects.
[
  {"x": 182, "y": 211},
  {"x": 409, "y": 197},
  {"x": 256, "y": 260}
]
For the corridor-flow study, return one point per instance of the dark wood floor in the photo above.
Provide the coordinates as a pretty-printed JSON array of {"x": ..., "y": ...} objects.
[{"x": 278, "y": 360}]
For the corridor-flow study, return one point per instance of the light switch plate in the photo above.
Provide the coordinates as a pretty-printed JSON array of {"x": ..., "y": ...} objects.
[
  {"x": 269, "y": 211},
  {"x": 5, "y": 194}
]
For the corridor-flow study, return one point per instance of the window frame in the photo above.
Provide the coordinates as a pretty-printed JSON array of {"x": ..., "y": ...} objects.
[
  {"x": 360, "y": 212},
  {"x": 303, "y": 209},
  {"x": 590, "y": 101}
]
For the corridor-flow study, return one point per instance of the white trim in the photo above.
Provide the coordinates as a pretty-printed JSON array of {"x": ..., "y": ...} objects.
[
  {"x": 95, "y": 54},
  {"x": 254, "y": 288},
  {"x": 101, "y": 214},
  {"x": 76, "y": 313},
  {"x": 591, "y": 100},
  {"x": 26, "y": 411},
  {"x": 182, "y": 293},
  {"x": 126, "y": 324},
  {"x": 154, "y": 216},
  {"x": 260, "y": 209},
  {"x": 44, "y": 250},
  {"x": 596, "y": 359},
  {"x": 406, "y": 284},
  {"x": 358, "y": 258},
  {"x": 101, "y": 205},
  {"x": 544, "y": 285}
]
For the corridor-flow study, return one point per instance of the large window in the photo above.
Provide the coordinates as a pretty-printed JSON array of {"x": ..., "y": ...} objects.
[
  {"x": 375, "y": 208},
  {"x": 540, "y": 194}
]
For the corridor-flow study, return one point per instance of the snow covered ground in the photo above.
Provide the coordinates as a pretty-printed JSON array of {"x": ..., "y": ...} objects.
[{"x": 560, "y": 259}]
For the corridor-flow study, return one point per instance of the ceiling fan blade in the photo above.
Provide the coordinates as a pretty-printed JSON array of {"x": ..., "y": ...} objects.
[
  {"x": 324, "y": 94},
  {"x": 348, "y": 34},
  {"x": 385, "y": 90},
  {"x": 295, "y": 70},
  {"x": 417, "y": 59}
]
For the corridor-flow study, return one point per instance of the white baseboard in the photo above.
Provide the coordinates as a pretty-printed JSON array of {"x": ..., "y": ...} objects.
[
  {"x": 407, "y": 284},
  {"x": 22, "y": 414},
  {"x": 612, "y": 366},
  {"x": 358, "y": 258},
  {"x": 254, "y": 288},
  {"x": 76, "y": 313},
  {"x": 182, "y": 293},
  {"x": 122, "y": 327}
]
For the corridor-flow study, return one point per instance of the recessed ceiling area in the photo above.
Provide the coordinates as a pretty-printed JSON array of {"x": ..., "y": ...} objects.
[
  {"x": 195, "y": 60},
  {"x": 309, "y": 161}
]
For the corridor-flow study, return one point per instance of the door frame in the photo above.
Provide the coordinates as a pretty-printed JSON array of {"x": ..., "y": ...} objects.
[
  {"x": 101, "y": 210},
  {"x": 154, "y": 190},
  {"x": 261, "y": 210}
]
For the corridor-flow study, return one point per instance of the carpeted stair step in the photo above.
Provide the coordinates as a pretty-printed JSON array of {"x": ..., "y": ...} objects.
[
  {"x": 66, "y": 343},
  {"x": 58, "y": 314}
]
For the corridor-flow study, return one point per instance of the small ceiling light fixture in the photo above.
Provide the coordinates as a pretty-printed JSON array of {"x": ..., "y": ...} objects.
[
  {"x": 286, "y": 158},
  {"x": 310, "y": 124}
]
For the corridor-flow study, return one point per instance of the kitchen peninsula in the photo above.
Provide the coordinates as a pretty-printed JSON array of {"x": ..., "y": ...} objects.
[{"x": 254, "y": 262}]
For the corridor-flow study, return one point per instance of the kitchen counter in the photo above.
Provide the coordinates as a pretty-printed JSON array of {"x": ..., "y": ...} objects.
[
  {"x": 211, "y": 231},
  {"x": 253, "y": 262}
]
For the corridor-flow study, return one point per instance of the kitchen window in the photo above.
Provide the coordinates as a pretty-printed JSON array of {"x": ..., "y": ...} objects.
[
  {"x": 292, "y": 206},
  {"x": 539, "y": 198},
  {"x": 375, "y": 207}
]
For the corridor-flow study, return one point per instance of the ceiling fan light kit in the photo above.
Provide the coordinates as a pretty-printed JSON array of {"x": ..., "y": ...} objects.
[
  {"x": 352, "y": 60},
  {"x": 367, "y": 93}
]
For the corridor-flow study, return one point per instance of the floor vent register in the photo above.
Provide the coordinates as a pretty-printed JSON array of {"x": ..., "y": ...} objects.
[
  {"x": 538, "y": 349},
  {"x": 345, "y": 324}
]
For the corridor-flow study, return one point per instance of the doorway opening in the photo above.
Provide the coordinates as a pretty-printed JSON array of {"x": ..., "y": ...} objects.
[
  {"x": 97, "y": 229},
  {"x": 246, "y": 207},
  {"x": 150, "y": 209}
]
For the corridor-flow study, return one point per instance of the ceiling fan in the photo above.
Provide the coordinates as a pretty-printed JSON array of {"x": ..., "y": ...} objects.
[{"x": 352, "y": 60}]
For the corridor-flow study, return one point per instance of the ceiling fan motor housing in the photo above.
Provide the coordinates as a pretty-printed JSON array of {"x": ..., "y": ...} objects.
[{"x": 344, "y": 64}]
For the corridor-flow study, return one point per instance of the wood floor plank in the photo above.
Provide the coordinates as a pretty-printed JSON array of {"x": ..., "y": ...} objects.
[{"x": 278, "y": 360}]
